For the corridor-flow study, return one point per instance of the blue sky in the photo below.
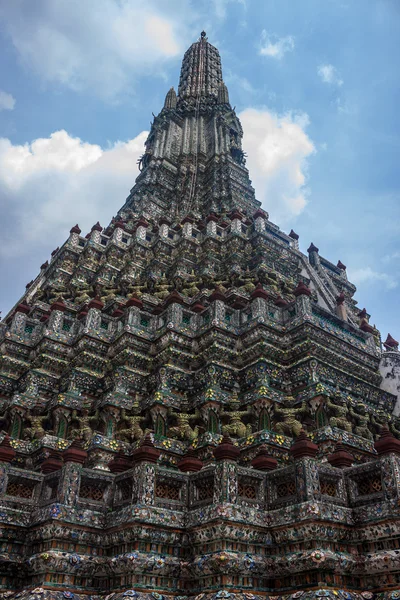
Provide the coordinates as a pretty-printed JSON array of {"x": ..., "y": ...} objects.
[{"x": 316, "y": 85}]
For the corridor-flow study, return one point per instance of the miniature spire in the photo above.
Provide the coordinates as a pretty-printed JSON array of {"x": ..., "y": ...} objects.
[
  {"x": 223, "y": 95},
  {"x": 390, "y": 343},
  {"x": 170, "y": 99}
]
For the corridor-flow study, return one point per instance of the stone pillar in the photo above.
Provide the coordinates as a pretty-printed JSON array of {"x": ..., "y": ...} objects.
[
  {"x": 303, "y": 304},
  {"x": 260, "y": 217},
  {"x": 259, "y": 302},
  {"x": 93, "y": 318},
  {"x": 212, "y": 221},
  {"x": 236, "y": 222},
  {"x": 119, "y": 229},
  {"x": 306, "y": 468},
  {"x": 141, "y": 228},
  {"x": 295, "y": 239},
  {"x": 7, "y": 455},
  {"x": 164, "y": 227},
  {"x": 173, "y": 304},
  {"x": 70, "y": 480},
  {"x": 341, "y": 307},
  {"x": 19, "y": 318},
  {"x": 74, "y": 234},
  {"x": 388, "y": 449},
  {"x": 56, "y": 318},
  {"x": 217, "y": 302},
  {"x": 313, "y": 255},
  {"x": 144, "y": 472},
  {"x": 134, "y": 306},
  {"x": 187, "y": 227},
  {"x": 342, "y": 268},
  {"x": 95, "y": 233},
  {"x": 225, "y": 476}
]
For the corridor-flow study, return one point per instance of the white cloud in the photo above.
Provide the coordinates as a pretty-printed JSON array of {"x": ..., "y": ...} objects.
[
  {"x": 49, "y": 185},
  {"x": 367, "y": 275},
  {"x": 274, "y": 46},
  {"x": 236, "y": 82},
  {"x": 391, "y": 257},
  {"x": 99, "y": 47},
  {"x": 7, "y": 102},
  {"x": 278, "y": 148},
  {"x": 329, "y": 74},
  {"x": 221, "y": 6}
]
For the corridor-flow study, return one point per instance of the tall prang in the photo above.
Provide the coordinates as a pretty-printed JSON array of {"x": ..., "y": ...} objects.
[
  {"x": 193, "y": 162},
  {"x": 190, "y": 406}
]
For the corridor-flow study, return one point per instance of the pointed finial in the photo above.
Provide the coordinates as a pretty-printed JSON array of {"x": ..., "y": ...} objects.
[{"x": 203, "y": 34}]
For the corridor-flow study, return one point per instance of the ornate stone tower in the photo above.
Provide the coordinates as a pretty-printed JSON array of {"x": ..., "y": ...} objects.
[{"x": 191, "y": 407}]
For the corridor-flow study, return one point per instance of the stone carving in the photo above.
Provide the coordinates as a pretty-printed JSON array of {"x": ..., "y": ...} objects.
[{"x": 290, "y": 424}]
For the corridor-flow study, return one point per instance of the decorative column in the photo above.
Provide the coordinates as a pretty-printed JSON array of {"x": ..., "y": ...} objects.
[
  {"x": 388, "y": 449},
  {"x": 260, "y": 217},
  {"x": 144, "y": 472},
  {"x": 7, "y": 455},
  {"x": 303, "y": 304},
  {"x": 119, "y": 229},
  {"x": 187, "y": 224},
  {"x": 313, "y": 255},
  {"x": 173, "y": 304},
  {"x": 93, "y": 318},
  {"x": 217, "y": 301},
  {"x": 70, "y": 481},
  {"x": 141, "y": 228},
  {"x": 164, "y": 225},
  {"x": 19, "y": 318},
  {"x": 295, "y": 239},
  {"x": 74, "y": 234},
  {"x": 212, "y": 221},
  {"x": 56, "y": 319},
  {"x": 134, "y": 306},
  {"x": 341, "y": 307},
  {"x": 225, "y": 476},
  {"x": 342, "y": 268},
  {"x": 236, "y": 222},
  {"x": 304, "y": 452},
  {"x": 95, "y": 233},
  {"x": 259, "y": 299}
]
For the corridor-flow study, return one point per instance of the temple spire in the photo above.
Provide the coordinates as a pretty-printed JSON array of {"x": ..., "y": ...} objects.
[{"x": 201, "y": 72}]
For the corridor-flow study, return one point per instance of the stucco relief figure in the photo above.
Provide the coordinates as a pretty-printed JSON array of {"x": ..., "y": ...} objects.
[
  {"x": 338, "y": 413},
  {"x": 290, "y": 423},
  {"x": 85, "y": 423},
  {"x": 183, "y": 430},
  {"x": 361, "y": 418}
]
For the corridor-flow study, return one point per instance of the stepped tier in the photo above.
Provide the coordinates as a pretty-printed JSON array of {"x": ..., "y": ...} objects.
[{"x": 190, "y": 404}]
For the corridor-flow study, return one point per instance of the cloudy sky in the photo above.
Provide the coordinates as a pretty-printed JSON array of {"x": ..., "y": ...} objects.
[{"x": 315, "y": 83}]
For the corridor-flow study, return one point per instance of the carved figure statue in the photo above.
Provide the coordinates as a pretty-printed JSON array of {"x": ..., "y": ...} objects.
[
  {"x": 36, "y": 430},
  {"x": 377, "y": 420},
  {"x": 361, "y": 418},
  {"x": 236, "y": 427},
  {"x": 338, "y": 407},
  {"x": 133, "y": 431},
  {"x": 183, "y": 430},
  {"x": 84, "y": 430},
  {"x": 290, "y": 425}
]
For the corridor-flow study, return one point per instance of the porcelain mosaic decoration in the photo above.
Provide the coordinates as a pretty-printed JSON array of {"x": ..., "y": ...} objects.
[{"x": 191, "y": 408}]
